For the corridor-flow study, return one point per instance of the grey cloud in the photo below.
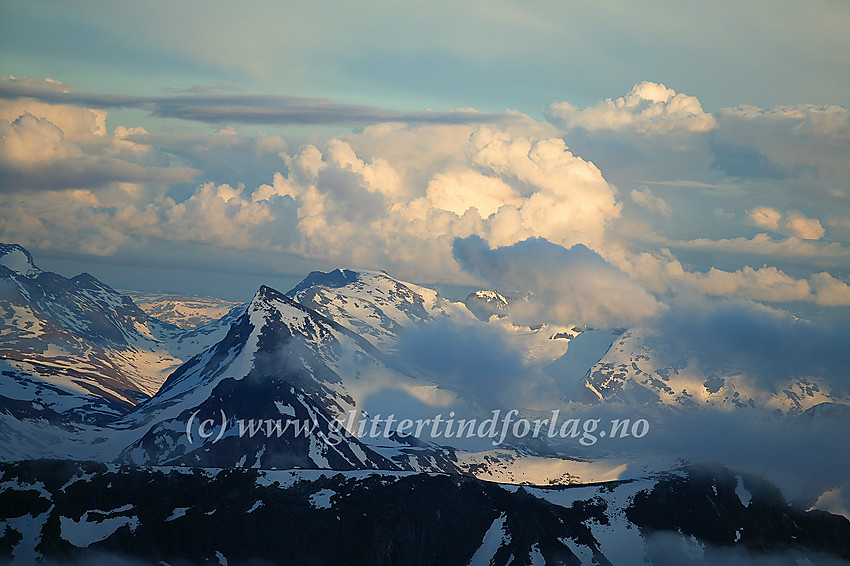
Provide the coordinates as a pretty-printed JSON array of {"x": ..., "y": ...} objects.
[
  {"x": 805, "y": 455},
  {"x": 744, "y": 162},
  {"x": 770, "y": 345},
  {"x": 89, "y": 172},
  {"x": 568, "y": 286},
  {"x": 804, "y": 459},
  {"x": 476, "y": 360},
  {"x": 216, "y": 108}
]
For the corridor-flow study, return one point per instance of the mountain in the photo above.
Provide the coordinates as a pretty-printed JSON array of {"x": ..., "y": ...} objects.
[
  {"x": 65, "y": 512},
  {"x": 280, "y": 361},
  {"x": 637, "y": 370},
  {"x": 75, "y": 355},
  {"x": 384, "y": 310},
  {"x": 75, "y": 346},
  {"x": 373, "y": 304},
  {"x": 485, "y": 304},
  {"x": 254, "y": 447},
  {"x": 186, "y": 312},
  {"x": 298, "y": 362}
]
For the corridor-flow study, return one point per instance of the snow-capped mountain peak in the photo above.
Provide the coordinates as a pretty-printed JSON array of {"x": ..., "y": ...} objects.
[
  {"x": 17, "y": 259},
  {"x": 373, "y": 304}
]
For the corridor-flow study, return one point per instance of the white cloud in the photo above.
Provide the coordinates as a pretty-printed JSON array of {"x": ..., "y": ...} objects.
[
  {"x": 344, "y": 201},
  {"x": 794, "y": 223},
  {"x": 758, "y": 161},
  {"x": 662, "y": 273},
  {"x": 649, "y": 109},
  {"x": 567, "y": 200},
  {"x": 799, "y": 225},
  {"x": 803, "y": 119},
  {"x": 28, "y": 141},
  {"x": 218, "y": 215},
  {"x": 55, "y": 146},
  {"x": 829, "y": 291},
  {"x": 452, "y": 182},
  {"x": 763, "y": 284},
  {"x": 649, "y": 201},
  {"x": 222, "y": 215},
  {"x": 78, "y": 124},
  {"x": 765, "y": 217},
  {"x": 394, "y": 196},
  {"x": 460, "y": 191}
]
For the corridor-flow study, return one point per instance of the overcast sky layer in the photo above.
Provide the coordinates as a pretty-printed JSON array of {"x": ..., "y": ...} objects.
[{"x": 210, "y": 147}]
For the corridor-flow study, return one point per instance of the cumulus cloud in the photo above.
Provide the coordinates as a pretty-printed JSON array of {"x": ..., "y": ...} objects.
[
  {"x": 747, "y": 163},
  {"x": 649, "y": 201},
  {"x": 793, "y": 223},
  {"x": 651, "y": 135},
  {"x": 215, "y": 214},
  {"x": 799, "y": 225},
  {"x": 567, "y": 286},
  {"x": 395, "y": 195},
  {"x": 392, "y": 196},
  {"x": 458, "y": 192},
  {"x": 567, "y": 199},
  {"x": 225, "y": 216},
  {"x": 765, "y": 284},
  {"x": 662, "y": 273},
  {"x": 49, "y": 146},
  {"x": 29, "y": 141},
  {"x": 765, "y": 217},
  {"x": 649, "y": 109},
  {"x": 804, "y": 119},
  {"x": 829, "y": 291},
  {"x": 78, "y": 124},
  {"x": 378, "y": 212}
]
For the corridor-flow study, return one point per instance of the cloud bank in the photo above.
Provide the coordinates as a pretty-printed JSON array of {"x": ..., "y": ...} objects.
[
  {"x": 567, "y": 285},
  {"x": 396, "y": 195}
]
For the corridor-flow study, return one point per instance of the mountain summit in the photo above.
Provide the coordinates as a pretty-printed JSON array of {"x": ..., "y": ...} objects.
[{"x": 15, "y": 258}]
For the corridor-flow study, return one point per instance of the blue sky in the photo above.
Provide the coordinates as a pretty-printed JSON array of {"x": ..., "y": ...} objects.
[
  {"x": 410, "y": 56},
  {"x": 214, "y": 146}
]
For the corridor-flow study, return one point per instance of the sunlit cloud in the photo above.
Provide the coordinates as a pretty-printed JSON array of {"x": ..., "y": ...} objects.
[
  {"x": 396, "y": 195},
  {"x": 648, "y": 109},
  {"x": 792, "y": 224}
]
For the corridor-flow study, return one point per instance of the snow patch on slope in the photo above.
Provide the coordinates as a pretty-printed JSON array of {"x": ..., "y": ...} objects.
[{"x": 494, "y": 539}]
